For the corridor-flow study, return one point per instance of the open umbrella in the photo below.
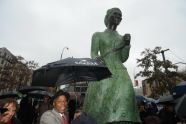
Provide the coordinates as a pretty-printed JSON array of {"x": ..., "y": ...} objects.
[
  {"x": 39, "y": 94},
  {"x": 168, "y": 99},
  {"x": 10, "y": 94},
  {"x": 70, "y": 70},
  {"x": 179, "y": 90},
  {"x": 180, "y": 107},
  {"x": 26, "y": 89},
  {"x": 140, "y": 99}
]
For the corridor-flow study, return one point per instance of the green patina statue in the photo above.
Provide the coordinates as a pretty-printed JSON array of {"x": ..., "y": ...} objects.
[{"x": 112, "y": 100}]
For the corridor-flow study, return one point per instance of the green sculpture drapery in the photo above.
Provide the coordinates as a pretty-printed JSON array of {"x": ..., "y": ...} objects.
[{"x": 112, "y": 100}]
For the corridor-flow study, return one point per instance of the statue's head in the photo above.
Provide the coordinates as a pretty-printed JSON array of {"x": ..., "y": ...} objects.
[{"x": 113, "y": 16}]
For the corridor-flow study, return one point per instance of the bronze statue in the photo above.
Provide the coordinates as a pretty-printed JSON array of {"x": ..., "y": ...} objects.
[{"x": 112, "y": 100}]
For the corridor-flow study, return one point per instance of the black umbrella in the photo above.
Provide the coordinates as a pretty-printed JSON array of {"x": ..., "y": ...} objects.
[
  {"x": 179, "y": 90},
  {"x": 70, "y": 70},
  {"x": 26, "y": 89},
  {"x": 140, "y": 99},
  {"x": 180, "y": 107},
  {"x": 39, "y": 94},
  {"x": 168, "y": 99},
  {"x": 10, "y": 94}
]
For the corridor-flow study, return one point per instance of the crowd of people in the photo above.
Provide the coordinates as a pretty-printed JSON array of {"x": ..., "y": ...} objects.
[
  {"x": 150, "y": 113},
  {"x": 59, "y": 109}
]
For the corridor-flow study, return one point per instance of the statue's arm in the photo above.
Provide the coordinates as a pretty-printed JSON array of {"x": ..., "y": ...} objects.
[
  {"x": 125, "y": 53},
  {"x": 95, "y": 45},
  {"x": 126, "y": 49}
]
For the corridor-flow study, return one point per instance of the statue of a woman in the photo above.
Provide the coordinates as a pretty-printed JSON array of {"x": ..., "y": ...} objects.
[{"x": 112, "y": 100}]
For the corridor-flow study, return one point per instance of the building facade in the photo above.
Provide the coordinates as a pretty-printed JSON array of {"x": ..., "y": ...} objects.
[{"x": 13, "y": 73}]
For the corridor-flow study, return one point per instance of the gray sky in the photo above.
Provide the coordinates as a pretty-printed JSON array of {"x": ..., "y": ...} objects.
[{"x": 39, "y": 29}]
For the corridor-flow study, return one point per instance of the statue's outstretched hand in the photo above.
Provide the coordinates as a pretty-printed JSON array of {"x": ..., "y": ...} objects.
[{"x": 126, "y": 39}]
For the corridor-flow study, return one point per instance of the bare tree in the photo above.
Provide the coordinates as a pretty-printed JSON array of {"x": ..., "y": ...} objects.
[{"x": 16, "y": 74}]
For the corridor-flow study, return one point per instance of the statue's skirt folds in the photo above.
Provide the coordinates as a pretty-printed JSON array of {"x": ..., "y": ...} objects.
[{"x": 112, "y": 100}]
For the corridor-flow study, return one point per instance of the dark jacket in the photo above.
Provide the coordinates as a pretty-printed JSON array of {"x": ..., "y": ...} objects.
[
  {"x": 167, "y": 117},
  {"x": 84, "y": 119},
  {"x": 15, "y": 120}
]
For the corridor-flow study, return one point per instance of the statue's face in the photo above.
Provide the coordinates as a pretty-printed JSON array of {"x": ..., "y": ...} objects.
[{"x": 115, "y": 18}]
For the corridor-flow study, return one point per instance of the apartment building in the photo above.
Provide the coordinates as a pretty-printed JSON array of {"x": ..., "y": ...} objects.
[{"x": 13, "y": 73}]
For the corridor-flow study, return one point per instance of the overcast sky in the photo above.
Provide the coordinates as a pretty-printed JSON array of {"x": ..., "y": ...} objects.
[{"x": 39, "y": 29}]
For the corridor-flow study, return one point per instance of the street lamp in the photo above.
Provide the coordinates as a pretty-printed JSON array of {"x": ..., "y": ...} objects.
[
  {"x": 63, "y": 51},
  {"x": 163, "y": 55}
]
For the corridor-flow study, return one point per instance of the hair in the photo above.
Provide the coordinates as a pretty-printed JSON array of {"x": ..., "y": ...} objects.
[
  {"x": 61, "y": 93},
  {"x": 109, "y": 13},
  {"x": 8, "y": 101}
]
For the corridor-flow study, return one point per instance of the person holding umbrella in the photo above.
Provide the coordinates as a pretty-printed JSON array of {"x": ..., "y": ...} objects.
[
  {"x": 44, "y": 106},
  {"x": 26, "y": 107},
  {"x": 58, "y": 115}
]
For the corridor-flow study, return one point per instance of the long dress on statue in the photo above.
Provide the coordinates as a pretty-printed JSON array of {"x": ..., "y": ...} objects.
[{"x": 111, "y": 100}]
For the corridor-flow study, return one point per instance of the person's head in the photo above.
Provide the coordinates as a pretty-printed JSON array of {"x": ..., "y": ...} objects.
[
  {"x": 11, "y": 106},
  {"x": 142, "y": 108},
  {"x": 60, "y": 101},
  {"x": 77, "y": 113},
  {"x": 169, "y": 107},
  {"x": 113, "y": 17},
  {"x": 46, "y": 99}
]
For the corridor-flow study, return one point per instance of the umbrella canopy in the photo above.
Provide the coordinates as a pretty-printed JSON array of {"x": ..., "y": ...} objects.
[
  {"x": 10, "y": 94},
  {"x": 26, "y": 89},
  {"x": 140, "y": 99},
  {"x": 180, "y": 107},
  {"x": 152, "y": 100},
  {"x": 39, "y": 94},
  {"x": 166, "y": 99},
  {"x": 179, "y": 90},
  {"x": 70, "y": 70}
]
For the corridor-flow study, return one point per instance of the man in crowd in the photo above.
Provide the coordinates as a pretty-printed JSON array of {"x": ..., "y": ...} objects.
[
  {"x": 58, "y": 114},
  {"x": 167, "y": 114}
]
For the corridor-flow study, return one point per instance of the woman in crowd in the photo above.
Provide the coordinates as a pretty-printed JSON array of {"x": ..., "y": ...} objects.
[{"x": 9, "y": 107}]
